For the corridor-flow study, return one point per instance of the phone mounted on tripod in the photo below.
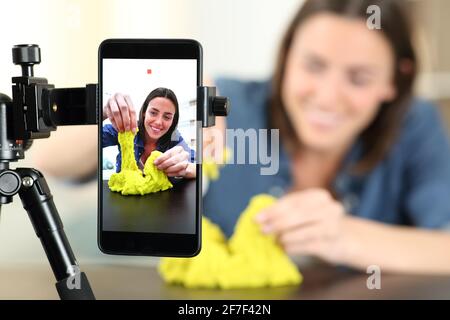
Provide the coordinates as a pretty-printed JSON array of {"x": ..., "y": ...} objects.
[{"x": 37, "y": 109}]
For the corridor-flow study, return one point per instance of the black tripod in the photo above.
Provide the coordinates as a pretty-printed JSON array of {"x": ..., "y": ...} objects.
[{"x": 36, "y": 109}]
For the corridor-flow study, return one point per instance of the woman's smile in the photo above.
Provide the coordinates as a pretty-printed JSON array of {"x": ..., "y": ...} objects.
[
  {"x": 155, "y": 129},
  {"x": 322, "y": 119}
]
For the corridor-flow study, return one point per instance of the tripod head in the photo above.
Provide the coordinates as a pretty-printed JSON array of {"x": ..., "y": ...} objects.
[
  {"x": 31, "y": 112},
  {"x": 13, "y": 140},
  {"x": 37, "y": 107}
]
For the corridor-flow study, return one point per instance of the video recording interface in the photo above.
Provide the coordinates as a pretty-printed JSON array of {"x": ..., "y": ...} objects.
[{"x": 149, "y": 145}]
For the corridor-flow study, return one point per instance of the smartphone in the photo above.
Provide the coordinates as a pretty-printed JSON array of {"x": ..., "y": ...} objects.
[{"x": 149, "y": 85}]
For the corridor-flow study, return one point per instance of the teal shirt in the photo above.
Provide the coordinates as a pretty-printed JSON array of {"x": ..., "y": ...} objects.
[{"x": 410, "y": 186}]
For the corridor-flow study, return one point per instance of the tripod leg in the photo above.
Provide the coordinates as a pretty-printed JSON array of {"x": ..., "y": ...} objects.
[{"x": 38, "y": 202}]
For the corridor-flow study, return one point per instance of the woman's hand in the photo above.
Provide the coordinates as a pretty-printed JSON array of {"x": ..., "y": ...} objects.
[
  {"x": 120, "y": 111},
  {"x": 175, "y": 162},
  {"x": 309, "y": 223}
]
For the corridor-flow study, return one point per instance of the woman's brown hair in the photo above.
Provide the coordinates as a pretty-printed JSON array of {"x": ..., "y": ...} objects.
[{"x": 378, "y": 137}]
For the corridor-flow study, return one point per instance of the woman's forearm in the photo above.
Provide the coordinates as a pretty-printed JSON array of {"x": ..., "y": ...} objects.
[
  {"x": 396, "y": 249},
  {"x": 70, "y": 153}
]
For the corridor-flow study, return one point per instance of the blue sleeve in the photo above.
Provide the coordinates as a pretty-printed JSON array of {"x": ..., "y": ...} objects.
[
  {"x": 183, "y": 144},
  {"x": 109, "y": 136},
  {"x": 427, "y": 175}
]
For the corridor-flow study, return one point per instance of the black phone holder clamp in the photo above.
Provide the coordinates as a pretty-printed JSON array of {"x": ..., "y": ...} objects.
[
  {"x": 37, "y": 108},
  {"x": 209, "y": 105}
]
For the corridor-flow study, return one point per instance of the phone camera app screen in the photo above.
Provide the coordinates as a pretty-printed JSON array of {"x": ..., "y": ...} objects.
[{"x": 149, "y": 145}]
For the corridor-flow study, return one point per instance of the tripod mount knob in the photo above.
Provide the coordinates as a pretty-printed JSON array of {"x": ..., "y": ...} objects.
[
  {"x": 9, "y": 183},
  {"x": 26, "y": 55},
  {"x": 220, "y": 106}
]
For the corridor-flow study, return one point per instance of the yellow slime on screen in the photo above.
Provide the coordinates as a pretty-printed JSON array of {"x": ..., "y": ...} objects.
[
  {"x": 130, "y": 180},
  {"x": 249, "y": 259}
]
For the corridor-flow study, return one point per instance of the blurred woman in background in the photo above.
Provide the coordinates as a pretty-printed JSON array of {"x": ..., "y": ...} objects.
[
  {"x": 364, "y": 176},
  {"x": 364, "y": 167}
]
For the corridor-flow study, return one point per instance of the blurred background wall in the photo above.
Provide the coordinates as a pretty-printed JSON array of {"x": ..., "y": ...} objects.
[{"x": 240, "y": 38}]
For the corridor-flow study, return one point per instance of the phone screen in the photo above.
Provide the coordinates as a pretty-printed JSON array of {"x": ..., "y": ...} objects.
[{"x": 149, "y": 148}]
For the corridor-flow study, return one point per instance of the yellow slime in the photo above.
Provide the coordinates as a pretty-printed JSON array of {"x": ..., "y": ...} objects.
[
  {"x": 130, "y": 181},
  {"x": 211, "y": 168},
  {"x": 249, "y": 259}
]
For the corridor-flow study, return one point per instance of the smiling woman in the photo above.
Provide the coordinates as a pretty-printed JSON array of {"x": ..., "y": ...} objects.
[
  {"x": 348, "y": 82},
  {"x": 364, "y": 176},
  {"x": 157, "y": 123}
]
